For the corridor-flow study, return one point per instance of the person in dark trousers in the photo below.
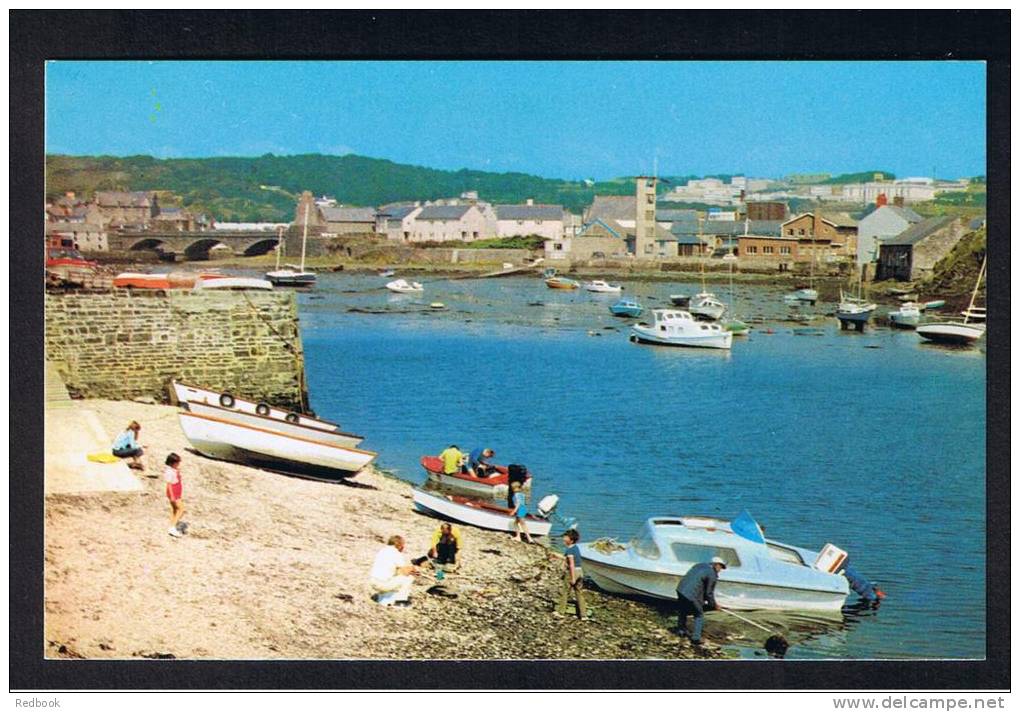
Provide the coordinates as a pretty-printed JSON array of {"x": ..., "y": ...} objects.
[{"x": 695, "y": 593}]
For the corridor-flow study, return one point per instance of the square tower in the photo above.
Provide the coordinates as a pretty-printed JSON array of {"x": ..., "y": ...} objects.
[{"x": 644, "y": 223}]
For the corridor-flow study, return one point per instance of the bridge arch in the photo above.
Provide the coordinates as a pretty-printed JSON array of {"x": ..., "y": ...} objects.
[
  {"x": 199, "y": 249},
  {"x": 149, "y": 243},
  {"x": 261, "y": 247}
]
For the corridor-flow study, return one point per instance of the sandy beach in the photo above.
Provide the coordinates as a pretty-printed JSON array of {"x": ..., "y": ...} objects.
[{"x": 276, "y": 567}]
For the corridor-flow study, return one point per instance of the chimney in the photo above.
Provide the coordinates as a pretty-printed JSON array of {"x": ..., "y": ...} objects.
[
  {"x": 881, "y": 200},
  {"x": 531, "y": 201}
]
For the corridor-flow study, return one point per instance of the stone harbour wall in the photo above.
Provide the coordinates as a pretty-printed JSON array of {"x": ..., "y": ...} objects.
[{"x": 127, "y": 344}]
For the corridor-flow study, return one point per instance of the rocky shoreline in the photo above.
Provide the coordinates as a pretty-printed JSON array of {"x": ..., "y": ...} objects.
[{"x": 276, "y": 567}]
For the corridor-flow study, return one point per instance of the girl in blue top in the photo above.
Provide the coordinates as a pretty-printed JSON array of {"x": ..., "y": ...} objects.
[
  {"x": 519, "y": 512},
  {"x": 126, "y": 445}
]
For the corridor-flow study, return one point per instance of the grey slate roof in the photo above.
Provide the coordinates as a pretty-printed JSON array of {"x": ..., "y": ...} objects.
[
  {"x": 917, "y": 232},
  {"x": 397, "y": 212},
  {"x": 905, "y": 213},
  {"x": 120, "y": 198},
  {"x": 671, "y": 215},
  {"x": 529, "y": 212},
  {"x": 348, "y": 214},
  {"x": 443, "y": 212},
  {"x": 612, "y": 207}
]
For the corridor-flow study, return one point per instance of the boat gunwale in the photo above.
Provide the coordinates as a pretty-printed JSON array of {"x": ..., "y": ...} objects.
[
  {"x": 274, "y": 420},
  {"x": 475, "y": 505},
  {"x": 721, "y": 580},
  {"x": 188, "y": 414},
  {"x": 255, "y": 403}
]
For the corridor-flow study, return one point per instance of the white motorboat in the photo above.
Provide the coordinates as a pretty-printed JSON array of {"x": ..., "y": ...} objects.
[
  {"x": 270, "y": 449},
  {"x": 185, "y": 393},
  {"x": 482, "y": 514},
  {"x": 672, "y": 327},
  {"x": 805, "y": 296},
  {"x": 334, "y": 437},
  {"x": 706, "y": 306},
  {"x": 402, "y": 286},
  {"x": 967, "y": 331},
  {"x": 233, "y": 283},
  {"x": 907, "y": 316},
  {"x": 759, "y": 573},
  {"x": 291, "y": 276},
  {"x": 601, "y": 286}
]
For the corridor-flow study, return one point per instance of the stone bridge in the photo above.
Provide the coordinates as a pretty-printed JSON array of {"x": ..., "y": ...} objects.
[{"x": 195, "y": 245}]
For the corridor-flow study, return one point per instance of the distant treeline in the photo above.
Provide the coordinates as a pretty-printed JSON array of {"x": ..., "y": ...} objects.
[{"x": 229, "y": 188}]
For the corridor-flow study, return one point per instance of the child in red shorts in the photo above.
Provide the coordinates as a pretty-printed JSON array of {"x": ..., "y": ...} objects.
[{"x": 172, "y": 477}]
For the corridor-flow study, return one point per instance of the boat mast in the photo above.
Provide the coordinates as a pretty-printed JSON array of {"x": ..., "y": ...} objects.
[
  {"x": 304, "y": 237},
  {"x": 279, "y": 246},
  {"x": 977, "y": 285}
]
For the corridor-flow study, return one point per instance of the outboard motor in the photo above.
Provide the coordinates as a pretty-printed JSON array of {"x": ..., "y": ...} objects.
[
  {"x": 547, "y": 505},
  {"x": 861, "y": 586},
  {"x": 547, "y": 510}
]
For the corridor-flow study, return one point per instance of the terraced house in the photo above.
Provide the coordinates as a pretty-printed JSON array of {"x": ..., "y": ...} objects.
[
  {"x": 445, "y": 223},
  {"x": 548, "y": 221}
]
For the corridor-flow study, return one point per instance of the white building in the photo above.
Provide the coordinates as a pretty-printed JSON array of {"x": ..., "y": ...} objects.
[
  {"x": 549, "y": 221},
  {"x": 884, "y": 223},
  {"x": 912, "y": 190}
]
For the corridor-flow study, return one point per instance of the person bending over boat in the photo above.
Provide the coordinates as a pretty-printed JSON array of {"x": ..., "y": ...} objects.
[
  {"x": 126, "y": 446},
  {"x": 573, "y": 577},
  {"x": 453, "y": 460},
  {"x": 392, "y": 575},
  {"x": 478, "y": 462},
  {"x": 520, "y": 511},
  {"x": 695, "y": 593},
  {"x": 446, "y": 544}
]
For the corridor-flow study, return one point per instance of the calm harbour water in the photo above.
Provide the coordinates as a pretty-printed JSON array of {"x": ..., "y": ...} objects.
[{"x": 874, "y": 441}]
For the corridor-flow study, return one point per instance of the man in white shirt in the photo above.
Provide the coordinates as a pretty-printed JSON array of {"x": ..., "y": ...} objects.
[{"x": 391, "y": 574}]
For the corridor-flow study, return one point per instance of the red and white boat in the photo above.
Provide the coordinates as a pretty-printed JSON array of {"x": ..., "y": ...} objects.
[
  {"x": 164, "y": 280},
  {"x": 495, "y": 485},
  {"x": 484, "y": 515}
]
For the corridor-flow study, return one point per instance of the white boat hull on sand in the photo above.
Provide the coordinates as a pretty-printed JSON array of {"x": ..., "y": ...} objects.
[
  {"x": 729, "y": 592},
  {"x": 333, "y": 437},
  {"x": 476, "y": 513},
  {"x": 224, "y": 440},
  {"x": 233, "y": 283},
  {"x": 951, "y": 332},
  {"x": 185, "y": 393},
  {"x": 402, "y": 286}
]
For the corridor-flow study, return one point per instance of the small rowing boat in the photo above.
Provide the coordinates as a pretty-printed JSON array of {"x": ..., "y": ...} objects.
[
  {"x": 484, "y": 515},
  {"x": 495, "y": 485},
  {"x": 562, "y": 283}
]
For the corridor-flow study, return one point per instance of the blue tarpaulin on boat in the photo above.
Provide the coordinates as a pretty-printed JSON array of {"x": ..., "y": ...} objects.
[{"x": 745, "y": 526}]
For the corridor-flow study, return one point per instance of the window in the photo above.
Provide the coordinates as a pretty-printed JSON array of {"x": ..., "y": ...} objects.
[
  {"x": 781, "y": 553},
  {"x": 751, "y": 250},
  {"x": 650, "y": 198},
  {"x": 520, "y": 222},
  {"x": 475, "y": 235},
  {"x": 558, "y": 246},
  {"x": 801, "y": 231},
  {"x": 649, "y": 215},
  {"x": 644, "y": 545},
  {"x": 784, "y": 250},
  {"x": 463, "y": 234},
  {"x": 698, "y": 553},
  {"x": 767, "y": 249},
  {"x": 789, "y": 231}
]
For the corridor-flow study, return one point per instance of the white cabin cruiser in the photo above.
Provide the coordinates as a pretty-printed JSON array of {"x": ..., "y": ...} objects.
[
  {"x": 402, "y": 286},
  {"x": 673, "y": 327},
  {"x": 706, "y": 306},
  {"x": 602, "y": 286},
  {"x": 760, "y": 574}
]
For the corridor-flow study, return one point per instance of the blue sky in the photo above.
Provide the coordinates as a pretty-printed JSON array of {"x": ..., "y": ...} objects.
[{"x": 556, "y": 119}]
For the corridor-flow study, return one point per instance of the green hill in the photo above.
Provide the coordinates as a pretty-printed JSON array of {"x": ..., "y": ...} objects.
[
  {"x": 862, "y": 177},
  {"x": 229, "y": 188}
]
